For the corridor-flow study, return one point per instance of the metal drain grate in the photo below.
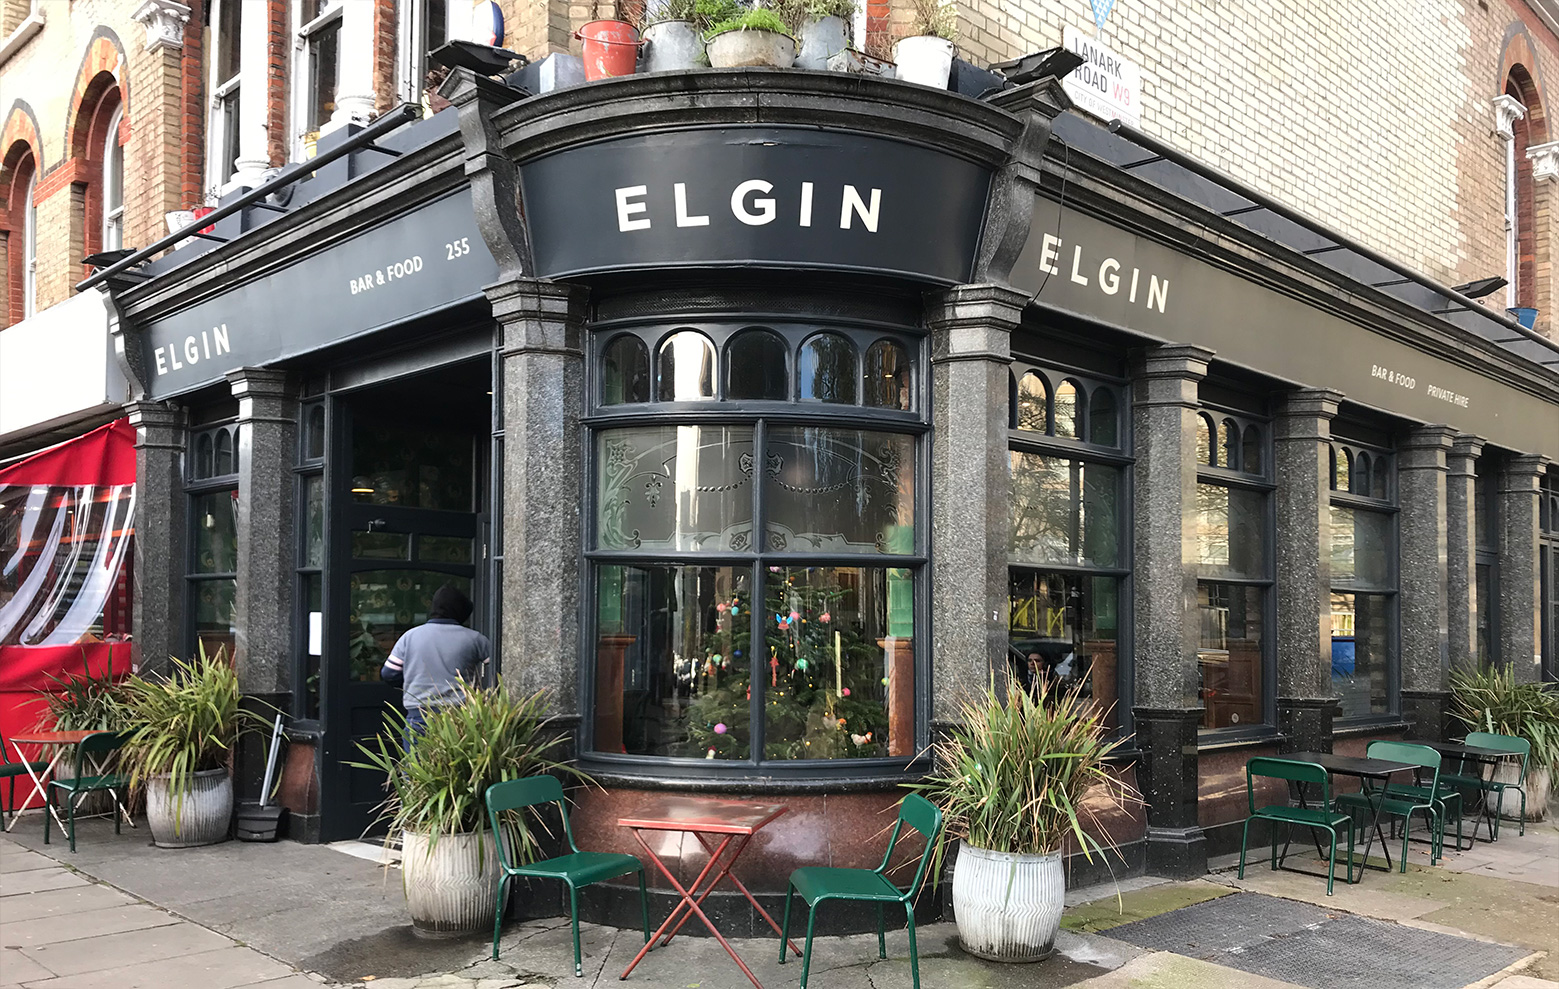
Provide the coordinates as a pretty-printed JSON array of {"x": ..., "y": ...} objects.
[{"x": 1309, "y": 946}]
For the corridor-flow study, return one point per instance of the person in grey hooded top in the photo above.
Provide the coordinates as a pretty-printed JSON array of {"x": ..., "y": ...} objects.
[{"x": 431, "y": 659}]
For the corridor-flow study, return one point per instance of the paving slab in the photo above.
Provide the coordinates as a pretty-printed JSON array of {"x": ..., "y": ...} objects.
[
  {"x": 1163, "y": 970},
  {"x": 16, "y": 967},
  {"x": 38, "y": 880},
  {"x": 220, "y": 969},
  {"x": 47, "y": 930},
  {"x": 63, "y": 902},
  {"x": 126, "y": 948},
  {"x": 24, "y": 861},
  {"x": 287, "y": 982}
]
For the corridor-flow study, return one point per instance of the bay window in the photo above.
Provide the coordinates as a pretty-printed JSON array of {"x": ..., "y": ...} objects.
[{"x": 756, "y": 545}]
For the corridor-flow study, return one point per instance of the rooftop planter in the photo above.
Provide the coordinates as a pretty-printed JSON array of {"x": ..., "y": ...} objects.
[{"x": 754, "y": 38}]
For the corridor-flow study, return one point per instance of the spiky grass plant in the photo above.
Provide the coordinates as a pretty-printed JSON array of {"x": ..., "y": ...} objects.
[
  {"x": 1491, "y": 700},
  {"x": 185, "y": 722},
  {"x": 437, "y": 787},
  {"x": 85, "y": 703},
  {"x": 1013, "y": 776}
]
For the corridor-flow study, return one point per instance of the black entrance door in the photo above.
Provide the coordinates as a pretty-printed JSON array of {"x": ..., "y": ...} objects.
[{"x": 409, "y": 524}]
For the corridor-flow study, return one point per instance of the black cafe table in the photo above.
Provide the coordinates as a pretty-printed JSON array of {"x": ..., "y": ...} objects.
[
  {"x": 1484, "y": 757},
  {"x": 1366, "y": 771}
]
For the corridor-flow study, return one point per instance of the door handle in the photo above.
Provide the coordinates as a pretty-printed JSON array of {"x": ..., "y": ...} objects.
[{"x": 374, "y": 524}]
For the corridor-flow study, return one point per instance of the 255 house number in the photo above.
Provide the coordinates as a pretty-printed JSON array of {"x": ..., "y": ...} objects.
[{"x": 457, "y": 249}]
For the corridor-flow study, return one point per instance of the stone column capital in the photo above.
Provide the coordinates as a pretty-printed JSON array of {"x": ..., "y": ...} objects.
[
  {"x": 164, "y": 21},
  {"x": 973, "y": 322},
  {"x": 1186, "y": 361},
  {"x": 1467, "y": 446},
  {"x": 1425, "y": 448},
  {"x": 1310, "y": 403},
  {"x": 1545, "y": 160},
  {"x": 263, "y": 395},
  {"x": 1507, "y": 110},
  {"x": 149, "y": 417},
  {"x": 539, "y": 316},
  {"x": 1524, "y": 470}
]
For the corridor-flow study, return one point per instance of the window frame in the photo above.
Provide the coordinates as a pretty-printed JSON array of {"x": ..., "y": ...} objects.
[
  {"x": 196, "y": 487},
  {"x": 761, "y": 415},
  {"x": 1486, "y": 539},
  {"x": 309, "y": 467},
  {"x": 1548, "y": 572},
  {"x": 330, "y": 17},
  {"x": 111, "y": 237},
  {"x": 1045, "y": 443},
  {"x": 222, "y": 121},
  {"x": 30, "y": 246},
  {"x": 1261, "y": 483},
  {"x": 414, "y": 50},
  {"x": 1389, "y": 508}
]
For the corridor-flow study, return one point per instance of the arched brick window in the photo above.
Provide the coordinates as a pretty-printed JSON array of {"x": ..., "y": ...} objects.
[
  {"x": 18, "y": 182},
  {"x": 97, "y": 222},
  {"x": 1526, "y": 132}
]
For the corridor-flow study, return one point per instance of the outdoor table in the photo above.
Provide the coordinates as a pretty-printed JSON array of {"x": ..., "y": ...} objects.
[
  {"x": 1365, "y": 771},
  {"x": 60, "y": 742},
  {"x": 725, "y": 820},
  {"x": 1483, "y": 756}
]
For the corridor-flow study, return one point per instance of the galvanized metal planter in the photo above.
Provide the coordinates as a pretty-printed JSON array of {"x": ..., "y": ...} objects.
[
  {"x": 451, "y": 886},
  {"x": 745, "y": 47},
  {"x": 925, "y": 59},
  {"x": 1008, "y": 905},
  {"x": 203, "y": 814},
  {"x": 672, "y": 46}
]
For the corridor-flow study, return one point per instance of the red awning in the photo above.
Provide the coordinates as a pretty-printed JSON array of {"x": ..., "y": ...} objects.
[{"x": 105, "y": 456}]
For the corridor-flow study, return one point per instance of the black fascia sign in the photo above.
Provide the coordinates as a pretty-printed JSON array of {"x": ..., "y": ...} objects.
[
  {"x": 785, "y": 197},
  {"x": 423, "y": 260}
]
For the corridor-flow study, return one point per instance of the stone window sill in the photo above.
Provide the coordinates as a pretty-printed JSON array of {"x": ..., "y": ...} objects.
[
  {"x": 23, "y": 34},
  {"x": 1388, "y": 725}
]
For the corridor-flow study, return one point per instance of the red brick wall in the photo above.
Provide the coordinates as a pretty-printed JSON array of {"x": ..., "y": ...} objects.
[
  {"x": 384, "y": 55},
  {"x": 277, "y": 62}
]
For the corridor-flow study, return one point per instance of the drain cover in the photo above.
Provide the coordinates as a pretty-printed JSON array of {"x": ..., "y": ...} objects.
[{"x": 1310, "y": 946}]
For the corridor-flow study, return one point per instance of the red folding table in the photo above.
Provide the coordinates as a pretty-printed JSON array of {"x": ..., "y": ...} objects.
[{"x": 726, "y": 820}]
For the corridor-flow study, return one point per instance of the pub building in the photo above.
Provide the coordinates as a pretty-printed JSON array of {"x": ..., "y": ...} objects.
[{"x": 765, "y": 413}]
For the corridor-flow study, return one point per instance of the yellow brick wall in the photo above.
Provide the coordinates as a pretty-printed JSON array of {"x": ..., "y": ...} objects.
[{"x": 1373, "y": 116}]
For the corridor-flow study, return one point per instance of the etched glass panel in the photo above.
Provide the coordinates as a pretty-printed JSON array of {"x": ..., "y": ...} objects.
[
  {"x": 674, "y": 488},
  {"x": 839, "y": 491}
]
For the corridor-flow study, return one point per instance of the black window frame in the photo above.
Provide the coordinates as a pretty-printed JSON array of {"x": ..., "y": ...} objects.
[
  {"x": 309, "y": 466},
  {"x": 1389, "y": 506},
  {"x": 1486, "y": 540},
  {"x": 1548, "y": 571},
  {"x": 198, "y": 484},
  {"x": 760, "y": 414}
]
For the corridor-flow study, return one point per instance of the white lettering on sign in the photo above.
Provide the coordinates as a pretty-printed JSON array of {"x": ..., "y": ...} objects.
[
  {"x": 401, "y": 269},
  {"x": 1109, "y": 273},
  {"x": 1389, "y": 376},
  {"x": 211, "y": 343},
  {"x": 753, "y": 203},
  {"x": 1446, "y": 395},
  {"x": 1105, "y": 85}
]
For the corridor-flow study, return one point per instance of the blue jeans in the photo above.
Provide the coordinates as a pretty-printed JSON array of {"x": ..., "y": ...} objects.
[{"x": 414, "y": 726}]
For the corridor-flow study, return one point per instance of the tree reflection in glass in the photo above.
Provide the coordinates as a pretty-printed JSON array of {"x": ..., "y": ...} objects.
[{"x": 825, "y": 368}]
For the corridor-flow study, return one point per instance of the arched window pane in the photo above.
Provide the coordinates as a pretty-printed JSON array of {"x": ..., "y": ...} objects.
[
  {"x": 1378, "y": 485},
  {"x": 1361, "y": 474},
  {"x": 886, "y": 379},
  {"x": 1206, "y": 441},
  {"x": 1342, "y": 469},
  {"x": 687, "y": 366},
  {"x": 826, "y": 369},
  {"x": 1103, "y": 423},
  {"x": 113, "y": 186},
  {"x": 1252, "y": 450},
  {"x": 224, "y": 453},
  {"x": 625, "y": 371},
  {"x": 1033, "y": 403},
  {"x": 203, "y": 459},
  {"x": 1066, "y": 408},
  {"x": 316, "y": 434},
  {"x": 1230, "y": 455},
  {"x": 755, "y": 366}
]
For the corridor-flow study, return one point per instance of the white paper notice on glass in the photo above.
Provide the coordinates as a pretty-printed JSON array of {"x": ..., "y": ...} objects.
[{"x": 316, "y": 633}]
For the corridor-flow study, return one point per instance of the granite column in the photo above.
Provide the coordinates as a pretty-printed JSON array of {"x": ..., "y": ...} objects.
[
  {"x": 1168, "y": 711},
  {"x": 1423, "y": 582},
  {"x": 1519, "y": 596},
  {"x": 1301, "y": 443},
  {"x": 971, "y": 336},
  {"x": 541, "y": 325},
  {"x": 158, "y": 606}
]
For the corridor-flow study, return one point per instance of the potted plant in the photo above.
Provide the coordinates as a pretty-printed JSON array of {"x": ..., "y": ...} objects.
[
  {"x": 435, "y": 804},
  {"x": 611, "y": 47},
  {"x": 753, "y": 37},
  {"x": 825, "y": 32},
  {"x": 1491, "y": 700},
  {"x": 927, "y": 56},
  {"x": 187, "y": 726},
  {"x": 1011, "y": 781},
  {"x": 673, "y": 37},
  {"x": 87, "y": 703}
]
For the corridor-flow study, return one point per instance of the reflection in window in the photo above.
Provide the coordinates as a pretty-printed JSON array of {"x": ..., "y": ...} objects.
[
  {"x": 1361, "y": 474},
  {"x": 840, "y": 662},
  {"x": 686, "y": 368},
  {"x": 826, "y": 370},
  {"x": 1342, "y": 469},
  {"x": 314, "y": 521},
  {"x": 1361, "y": 642},
  {"x": 1378, "y": 481},
  {"x": 1033, "y": 403},
  {"x": 204, "y": 462},
  {"x": 1229, "y": 654},
  {"x": 314, "y": 445},
  {"x": 223, "y": 462},
  {"x": 1230, "y": 457},
  {"x": 839, "y": 490},
  {"x": 886, "y": 379},
  {"x": 1066, "y": 409},
  {"x": 214, "y": 598},
  {"x": 1063, "y": 629},
  {"x": 673, "y": 674},
  {"x": 1064, "y": 511},
  {"x": 1206, "y": 443},
  {"x": 1103, "y": 423},
  {"x": 414, "y": 468},
  {"x": 382, "y": 606},
  {"x": 1361, "y": 546},
  {"x": 1230, "y": 531},
  {"x": 1251, "y": 451},
  {"x": 216, "y": 532},
  {"x": 674, "y": 487},
  {"x": 625, "y": 371},
  {"x": 755, "y": 366}
]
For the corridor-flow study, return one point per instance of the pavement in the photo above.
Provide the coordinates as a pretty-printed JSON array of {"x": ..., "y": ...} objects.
[{"x": 119, "y": 914}]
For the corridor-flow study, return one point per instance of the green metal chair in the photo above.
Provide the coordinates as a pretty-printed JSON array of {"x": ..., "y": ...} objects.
[
  {"x": 817, "y": 884},
  {"x": 1446, "y": 796},
  {"x": 9, "y": 771},
  {"x": 1404, "y": 806},
  {"x": 577, "y": 869},
  {"x": 76, "y": 787},
  {"x": 1325, "y": 818},
  {"x": 1504, "y": 743}
]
